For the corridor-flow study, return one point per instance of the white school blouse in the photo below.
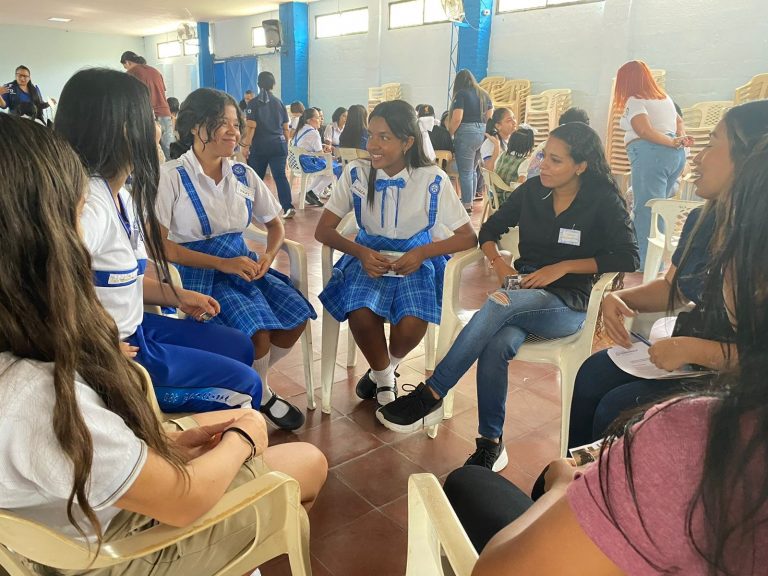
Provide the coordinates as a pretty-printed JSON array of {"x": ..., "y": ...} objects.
[
  {"x": 332, "y": 134},
  {"x": 224, "y": 203},
  {"x": 309, "y": 139},
  {"x": 37, "y": 476},
  {"x": 114, "y": 253},
  {"x": 413, "y": 214}
]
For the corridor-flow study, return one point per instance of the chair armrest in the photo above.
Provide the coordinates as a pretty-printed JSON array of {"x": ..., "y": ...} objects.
[
  {"x": 240, "y": 498},
  {"x": 297, "y": 256},
  {"x": 452, "y": 278},
  {"x": 347, "y": 226},
  {"x": 432, "y": 520},
  {"x": 598, "y": 291}
]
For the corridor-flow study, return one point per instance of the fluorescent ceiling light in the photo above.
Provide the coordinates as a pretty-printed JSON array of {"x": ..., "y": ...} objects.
[{"x": 55, "y": 19}]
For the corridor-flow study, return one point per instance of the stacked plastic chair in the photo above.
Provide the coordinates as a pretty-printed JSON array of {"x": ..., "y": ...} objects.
[
  {"x": 700, "y": 119},
  {"x": 383, "y": 93},
  {"x": 755, "y": 89},
  {"x": 542, "y": 111},
  {"x": 513, "y": 95}
]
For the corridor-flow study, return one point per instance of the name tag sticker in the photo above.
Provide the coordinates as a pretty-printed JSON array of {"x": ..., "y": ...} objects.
[
  {"x": 123, "y": 278},
  {"x": 244, "y": 191},
  {"x": 359, "y": 189},
  {"x": 569, "y": 236}
]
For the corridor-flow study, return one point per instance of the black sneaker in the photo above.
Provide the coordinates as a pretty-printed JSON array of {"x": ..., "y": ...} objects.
[
  {"x": 312, "y": 199},
  {"x": 291, "y": 420},
  {"x": 489, "y": 454},
  {"x": 415, "y": 410}
]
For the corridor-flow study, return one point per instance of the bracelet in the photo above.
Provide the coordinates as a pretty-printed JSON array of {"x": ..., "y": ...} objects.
[{"x": 245, "y": 436}]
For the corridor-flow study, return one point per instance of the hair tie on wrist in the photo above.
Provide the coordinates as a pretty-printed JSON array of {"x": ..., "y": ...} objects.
[{"x": 245, "y": 436}]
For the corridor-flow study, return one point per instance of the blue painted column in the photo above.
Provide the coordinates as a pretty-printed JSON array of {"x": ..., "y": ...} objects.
[
  {"x": 204, "y": 58},
  {"x": 294, "y": 54},
  {"x": 475, "y": 38}
]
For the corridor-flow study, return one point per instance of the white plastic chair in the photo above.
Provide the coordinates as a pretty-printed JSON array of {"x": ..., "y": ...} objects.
[
  {"x": 330, "y": 342},
  {"x": 282, "y": 528},
  {"x": 662, "y": 244},
  {"x": 568, "y": 353},
  {"x": 295, "y": 165},
  {"x": 297, "y": 259},
  {"x": 346, "y": 155},
  {"x": 493, "y": 183},
  {"x": 433, "y": 527}
]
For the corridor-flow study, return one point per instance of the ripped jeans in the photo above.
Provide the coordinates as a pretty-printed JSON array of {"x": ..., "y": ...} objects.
[{"x": 493, "y": 337}]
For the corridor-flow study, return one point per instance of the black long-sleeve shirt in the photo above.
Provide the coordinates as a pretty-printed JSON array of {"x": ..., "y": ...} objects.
[{"x": 597, "y": 213}]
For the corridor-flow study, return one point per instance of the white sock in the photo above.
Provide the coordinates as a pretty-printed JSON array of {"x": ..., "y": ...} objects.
[
  {"x": 276, "y": 353},
  {"x": 261, "y": 365},
  {"x": 394, "y": 362},
  {"x": 384, "y": 377}
]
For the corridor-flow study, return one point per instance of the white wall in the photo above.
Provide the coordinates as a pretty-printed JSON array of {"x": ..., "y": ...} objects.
[
  {"x": 707, "y": 47},
  {"x": 53, "y": 55},
  {"x": 342, "y": 69},
  {"x": 180, "y": 73}
]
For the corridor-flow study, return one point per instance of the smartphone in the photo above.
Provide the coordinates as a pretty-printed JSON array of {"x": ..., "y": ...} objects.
[
  {"x": 392, "y": 256},
  {"x": 513, "y": 281}
]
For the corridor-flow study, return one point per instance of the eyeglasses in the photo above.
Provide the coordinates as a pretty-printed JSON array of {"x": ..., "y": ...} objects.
[{"x": 23, "y": 76}]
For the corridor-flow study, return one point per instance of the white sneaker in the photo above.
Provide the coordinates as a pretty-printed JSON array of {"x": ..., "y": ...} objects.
[{"x": 290, "y": 213}]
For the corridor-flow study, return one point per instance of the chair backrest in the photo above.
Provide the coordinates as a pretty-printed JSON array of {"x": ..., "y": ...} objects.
[
  {"x": 433, "y": 528},
  {"x": 489, "y": 82},
  {"x": 705, "y": 114},
  {"x": 443, "y": 159},
  {"x": 349, "y": 154},
  {"x": 346, "y": 227},
  {"x": 755, "y": 89},
  {"x": 391, "y": 91},
  {"x": 673, "y": 213}
]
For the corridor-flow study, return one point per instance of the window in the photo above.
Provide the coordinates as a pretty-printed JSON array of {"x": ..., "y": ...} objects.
[
  {"x": 258, "y": 38},
  {"x": 415, "y": 13},
  {"x": 168, "y": 49},
  {"x": 515, "y": 5},
  {"x": 341, "y": 23},
  {"x": 191, "y": 47}
]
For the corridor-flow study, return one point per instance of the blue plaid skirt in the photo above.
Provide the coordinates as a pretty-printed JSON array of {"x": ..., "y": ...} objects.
[
  {"x": 269, "y": 303},
  {"x": 418, "y": 294}
]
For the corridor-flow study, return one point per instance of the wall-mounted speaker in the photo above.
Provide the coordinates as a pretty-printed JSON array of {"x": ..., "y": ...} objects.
[{"x": 272, "y": 33}]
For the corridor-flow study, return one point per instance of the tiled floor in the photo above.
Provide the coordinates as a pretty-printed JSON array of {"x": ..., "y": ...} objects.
[{"x": 359, "y": 523}]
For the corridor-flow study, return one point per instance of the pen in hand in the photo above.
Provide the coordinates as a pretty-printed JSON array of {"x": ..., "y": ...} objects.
[{"x": 641, "y": 339}]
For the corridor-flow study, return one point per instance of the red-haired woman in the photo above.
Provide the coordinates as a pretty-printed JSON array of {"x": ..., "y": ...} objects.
[{"x": 654, "y": 138}]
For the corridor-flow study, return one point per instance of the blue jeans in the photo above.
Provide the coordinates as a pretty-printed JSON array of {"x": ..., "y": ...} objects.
[
  {"x": 272, "y": 153},
  {"x": 466, "y": 144},
  {"x": 655, "y": 169},
  {"x": 166, "y": 127},
  {"x": 493, "y": 337},
  {"x": 603, "y": 391}
]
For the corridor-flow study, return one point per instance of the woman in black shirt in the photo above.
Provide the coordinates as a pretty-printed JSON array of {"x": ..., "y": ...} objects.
[{"x": 573, "y": 224}]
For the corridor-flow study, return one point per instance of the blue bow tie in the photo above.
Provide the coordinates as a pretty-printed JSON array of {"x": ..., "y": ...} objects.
[{"x": 383, "y": 184}]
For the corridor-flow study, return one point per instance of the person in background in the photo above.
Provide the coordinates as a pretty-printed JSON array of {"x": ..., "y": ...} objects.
[
  {"x": 137, "y": 67},
  {"x": 247, "y": 97},
  {"x": 355, "y": 134},
  {"x": 173, "y": 106},
  {"x": 470, "y": 109},
  {"x": 22, "y": 90},
  {"x": 531, "y": 166},
  {"x": 518, "y": 150},
  {"x": 333, "y": 131},
  {"x": 655, "y": 140},
  {"x": 426, "y": 115},
  {"x": 296, "y": 109},
  {"x": 29, "y": 111},
  {"x": 265, "y": 142},
  {"x": 498, "y": 129},
  {"x": 307, "y": 137},
  {"x": 440, "y": 136}
]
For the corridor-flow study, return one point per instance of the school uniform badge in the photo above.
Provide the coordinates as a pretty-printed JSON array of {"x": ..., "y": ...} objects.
[{"x": 238, "y": 170}]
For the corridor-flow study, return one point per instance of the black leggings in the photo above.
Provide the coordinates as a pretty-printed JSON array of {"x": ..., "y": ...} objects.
[{"x": 484, "y": 501}]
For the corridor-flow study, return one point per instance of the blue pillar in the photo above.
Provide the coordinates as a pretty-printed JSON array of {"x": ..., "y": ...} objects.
[
  {"x": 475, "y": 39},
  {"x": 294, "y": 54},
  {"x": 204, "y": 58}
]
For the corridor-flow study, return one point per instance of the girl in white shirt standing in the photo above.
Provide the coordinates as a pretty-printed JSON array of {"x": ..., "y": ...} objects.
[
  {"x": 307, "y": 136},
  {"x": 204, "y": 204},
  {"x": 406, "y": 210},
  {"x": 654, "y": 137}
]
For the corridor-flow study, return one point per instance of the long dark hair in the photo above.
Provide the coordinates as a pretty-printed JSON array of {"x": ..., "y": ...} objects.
[
  {"x": 107, "y": 118},
  {"x": 203, "y": 107},
  {"x": 496, "y": 117},
  {"x": 355, "y": 128},
  {"x": 465, "y": 80},
  {"x": 520, "y": 142},
  {"x": 337, "y": 114},
  {"x": 307, "y": 115},
  {"x": 403, "y": 123},
  {"x": 745, "y": 125},
  {"x": 49, "y": 306},
  {"x": 584, "y": 145}
]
